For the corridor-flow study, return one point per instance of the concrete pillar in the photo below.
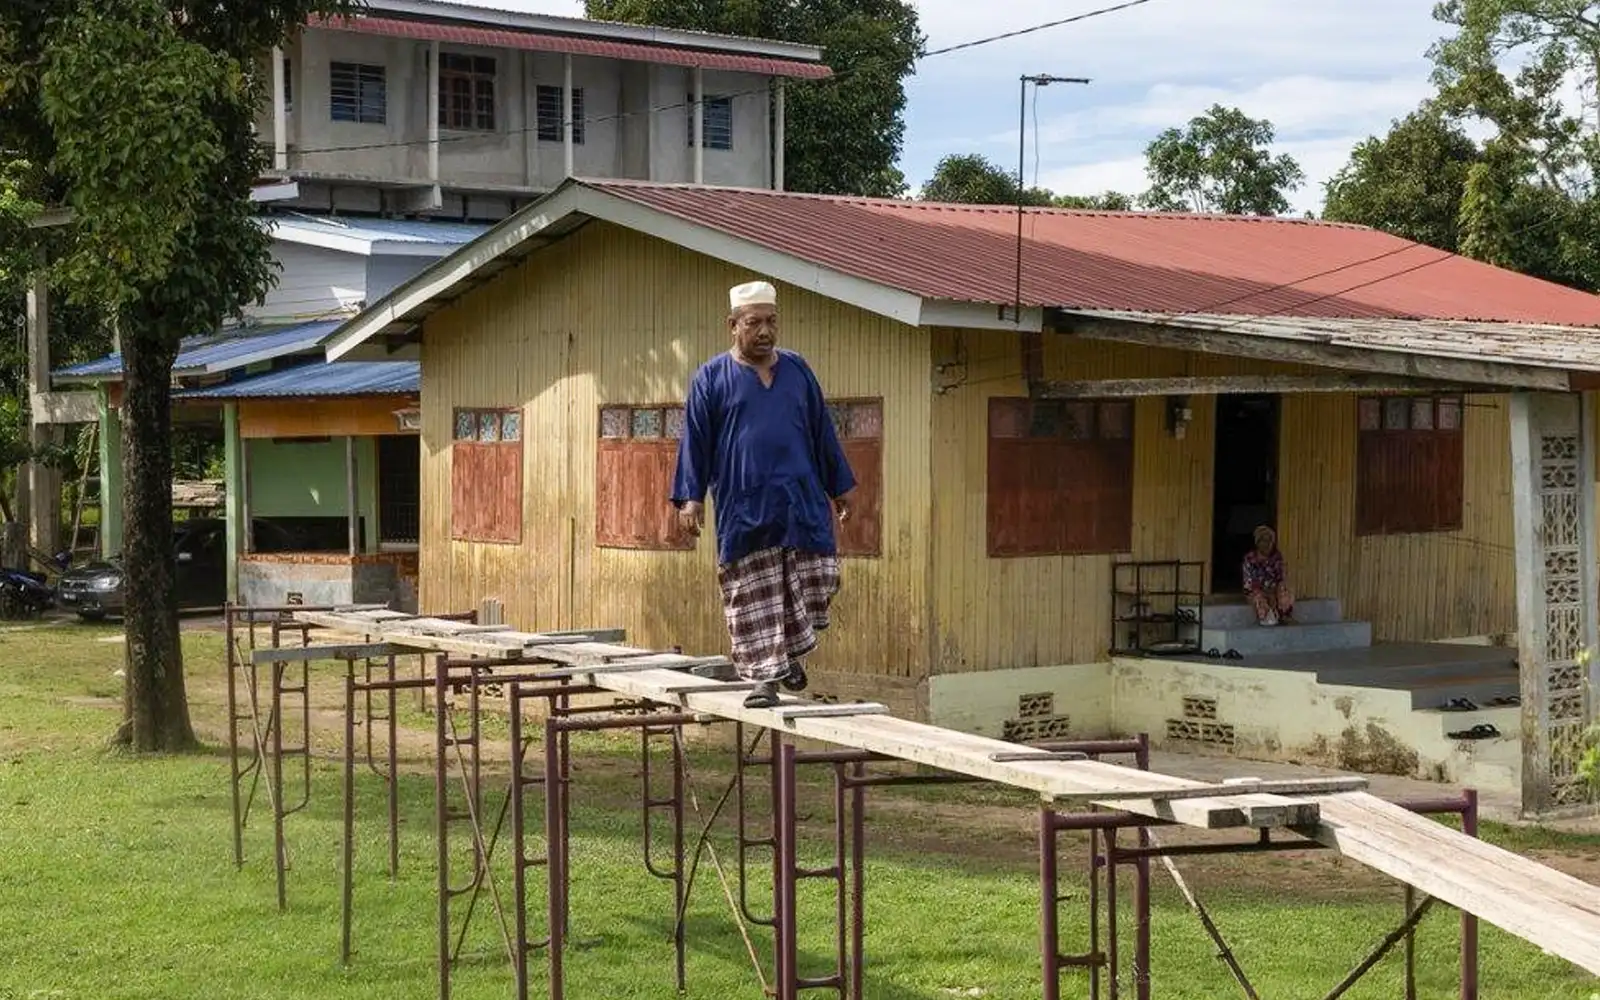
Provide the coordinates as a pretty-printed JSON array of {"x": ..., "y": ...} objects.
[
  {"x": 699, "y": 126},
  {"x": 1553, "y": 503},
  {"x": 280, "y": 112},
  {"x": 433, "y": 111},
  {"x": 110, "y": 475},
  {"x": 779, "y": 133},
  {"x": 44, "y": 481},
  {"x": 234, "y": 499},
  {"x": 568, "y": 114}
]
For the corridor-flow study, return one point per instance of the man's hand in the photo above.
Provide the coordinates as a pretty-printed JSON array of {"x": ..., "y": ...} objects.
[
  {"x": 841, "y": 506},
  {"x": 692, "y": 517}
]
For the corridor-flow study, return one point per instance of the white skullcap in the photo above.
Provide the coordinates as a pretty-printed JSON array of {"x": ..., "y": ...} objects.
[{"x": 754, "y": 293}]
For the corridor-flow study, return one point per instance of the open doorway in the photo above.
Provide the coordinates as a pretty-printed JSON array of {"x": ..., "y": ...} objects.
[{"x": 1245, "y": 483}]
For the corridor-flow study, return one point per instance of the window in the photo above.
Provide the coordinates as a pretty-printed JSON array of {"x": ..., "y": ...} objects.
[
  {"x": 552, "y": 114},
  {"x": 718, "y": 122},
  {"x": 859, "y": 424},
  {"x": 1060, "y": 477},
  {"x": 358, "y": 93},
  {"x": 466, "y": 92},
  {"x": 1409, "y": 469},
  {"x": 635, "y": 459},
  {"x": 486, "y": 476},
  {"x": 399, "y": 489}
]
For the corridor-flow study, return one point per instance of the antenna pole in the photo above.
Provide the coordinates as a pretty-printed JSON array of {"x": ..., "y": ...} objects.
[{"x": 1038, "y": 80}]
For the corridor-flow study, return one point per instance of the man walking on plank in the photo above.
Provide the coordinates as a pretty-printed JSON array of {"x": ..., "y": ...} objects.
[{"x": 758, "y": 435}]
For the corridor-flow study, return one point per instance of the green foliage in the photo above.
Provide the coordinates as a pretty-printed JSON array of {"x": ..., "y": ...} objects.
[
  {"x": 972, "y": 179},
  {"x": 1410, "y": 182},
  {"x": 844, "y": 134},
  {"x": 1221, "y": 162}
]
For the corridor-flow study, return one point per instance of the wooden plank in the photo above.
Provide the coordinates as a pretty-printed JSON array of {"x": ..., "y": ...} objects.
[
  {"x": 823, "y": 710},
  {"x": 1312, "y": 786},
  {"x": 603, "y": 670},
  {"x": 296, "y": 654},
  {"x": 1218, "y": 385},
  {"x": 945, "y": 749},
  {"x": 1308, "y": 351},
  {"x": 683, "y": 689},
  {"x": 1555, "y": 912}
]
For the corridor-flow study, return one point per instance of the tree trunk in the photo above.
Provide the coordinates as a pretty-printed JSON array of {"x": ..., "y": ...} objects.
[{"x": 155, "y": 705}]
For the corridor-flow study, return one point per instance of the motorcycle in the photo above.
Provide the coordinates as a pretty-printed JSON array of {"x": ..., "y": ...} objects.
[{"x": 24, "y": 594}]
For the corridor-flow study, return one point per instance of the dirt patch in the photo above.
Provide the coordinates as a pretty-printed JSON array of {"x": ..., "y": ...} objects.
[{"x": 1374, "y": 751}]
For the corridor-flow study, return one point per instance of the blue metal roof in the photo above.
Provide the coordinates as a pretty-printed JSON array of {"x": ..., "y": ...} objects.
[
  {"x": 444, "y": 234},
  {"x": 320, "y": 379},
  {"x": 217, "y": 353}
]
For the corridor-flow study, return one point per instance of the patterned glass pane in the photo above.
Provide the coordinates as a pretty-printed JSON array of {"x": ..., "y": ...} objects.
[
  {"x": 511, "y": 426},
  {"x": 1047, "y": 420},
  {"x": 614, "y": 422},
  {"x": 1395, "y": 411},
  {"x": 1078, "y": 422},
  {"x": 866, "y": 420},
  {"x": 1116, "y": 421},
  {"x": 839, "y": 413},
  {"x": 488, "y": 426},
  {"x": 646, "y": 423},
  {"x": 675, "y": 422},
  {"x": 1422, "y": 414},
  {"x": 466, "y": 425},
  {"x": 1370, "y": 414},
  {"x": 1008, "y": 418},
  {"x": 1450, "y": 414}
]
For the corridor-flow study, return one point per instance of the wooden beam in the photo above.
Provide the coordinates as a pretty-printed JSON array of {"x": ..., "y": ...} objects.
[
  {"x": 1307, "y": 352},
  {"x": 1219, "y": 385},
  {"x": 295, "y": 654}
]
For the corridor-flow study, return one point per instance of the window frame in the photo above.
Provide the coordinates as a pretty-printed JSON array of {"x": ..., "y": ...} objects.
[
  {"x": 1030, "y": 445},
  {"x": 624, "y": 458},
  {"x": 497, "y": 519},
  {"x": 719, "y": 133},
  {"x": 356, "y": 104},
  {"x": 478, "y": 75},
  {"x": 1410, "y": 479},
  {"x": 548, "y": 126}
]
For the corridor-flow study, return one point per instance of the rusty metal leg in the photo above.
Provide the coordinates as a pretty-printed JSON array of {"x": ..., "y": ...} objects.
[
  {"x": 785, "y": 870},
  {"x": 1049, "y": 913},
  {"x": 279, "y": 848},
  {"x": 441, "y": 815},
  {"x": 841, "y": 825},
  {"x": 680, "y": 902},
  {"x": 519, "y": 846},
  {"x": 394, "y": 769},
  {"x": 1113, "y": 958},
  {"x": 746, "y": 843},
  {"x": 233, "y": 736},
  {"x": 1411, "y": 948},
  {"x": 348, "y": 876},
  {"x": 1469, "y": 923},
  {"x": 1141, "y": 894},
  {"x": 557, "y": 865},
  {"x": 858, "y": 886},
  {"x": 1095, "y": 870}
]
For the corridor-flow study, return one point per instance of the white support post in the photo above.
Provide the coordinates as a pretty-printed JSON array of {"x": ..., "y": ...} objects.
[
  {"x": 699, "y": 126},
  {"x": 568, "y": 113},
  {"x": 780, "y": 132},
  {"x": 433, "y": 111},
  {"x": 1552, "y": 494},
  {"x": 280, "y": 112},
  {"x": 352, "y": 495},
  {"x": 44, "y": 482}
]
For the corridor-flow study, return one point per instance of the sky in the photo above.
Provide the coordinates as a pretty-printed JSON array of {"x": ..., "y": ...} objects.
[{"x": 1326, "y": 73}]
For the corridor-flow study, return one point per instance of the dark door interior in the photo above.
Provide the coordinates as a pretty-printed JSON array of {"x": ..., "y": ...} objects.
[{"x": 1245, "y": 485}]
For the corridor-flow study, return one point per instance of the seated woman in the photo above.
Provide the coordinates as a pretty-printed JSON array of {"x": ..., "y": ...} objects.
[{"x": 1266, "y": 580}]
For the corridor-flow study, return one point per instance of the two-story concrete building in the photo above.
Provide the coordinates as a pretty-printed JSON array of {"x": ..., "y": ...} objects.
[{"x": 419, "y": 106}]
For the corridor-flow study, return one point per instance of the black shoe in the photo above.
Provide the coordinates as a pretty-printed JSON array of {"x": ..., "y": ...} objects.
[
  {"x": 795, "y": 679},
  {"x": 765, "y": 696}
]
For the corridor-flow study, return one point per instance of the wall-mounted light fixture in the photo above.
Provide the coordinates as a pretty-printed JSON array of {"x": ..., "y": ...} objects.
[
  {"x": 409, "y": 419},
  {"x": 1178, "y": 416}
]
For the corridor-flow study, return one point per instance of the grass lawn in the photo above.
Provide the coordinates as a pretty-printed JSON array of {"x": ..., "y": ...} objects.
[{"x": 117, "y": 881}]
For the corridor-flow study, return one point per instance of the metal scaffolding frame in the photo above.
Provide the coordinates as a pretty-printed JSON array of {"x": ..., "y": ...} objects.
[{"x": 538, "y": 801}]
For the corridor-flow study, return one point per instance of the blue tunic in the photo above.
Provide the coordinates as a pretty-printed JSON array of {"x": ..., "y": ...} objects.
[{"x": 769, "y": 456}]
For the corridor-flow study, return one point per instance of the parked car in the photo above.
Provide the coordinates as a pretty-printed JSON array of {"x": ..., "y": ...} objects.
[{"x": 96, "y": 590}]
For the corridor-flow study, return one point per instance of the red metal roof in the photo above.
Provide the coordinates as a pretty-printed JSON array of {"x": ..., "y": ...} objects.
[
  {"x": 1139, "y": 262},
  {"x": 501, "y": 38}
]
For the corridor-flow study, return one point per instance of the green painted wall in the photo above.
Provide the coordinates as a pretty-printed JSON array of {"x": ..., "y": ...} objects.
[
  {"x": 307, "y": 479},
  {"x": 110, "y": 476}
]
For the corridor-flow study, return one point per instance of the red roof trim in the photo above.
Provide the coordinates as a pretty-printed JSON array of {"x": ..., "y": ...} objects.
[{"x": 498, "y": 38}]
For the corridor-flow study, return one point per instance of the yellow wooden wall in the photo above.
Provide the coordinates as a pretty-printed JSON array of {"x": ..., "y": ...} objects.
[
  {"x": 1415, "y": 587},
  {"x": 1005, "y": 613},
  {"x": 611, "y": 316}
]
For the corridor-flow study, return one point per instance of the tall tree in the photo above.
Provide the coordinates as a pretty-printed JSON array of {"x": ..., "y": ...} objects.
[
  {"x": 140, "y": 116},
  {"x": 1220, "y": 162},
  {"x": 974, "y": 179},
  {"x": 1410, "y": 182},
  {"x": 844, "y": 134}
]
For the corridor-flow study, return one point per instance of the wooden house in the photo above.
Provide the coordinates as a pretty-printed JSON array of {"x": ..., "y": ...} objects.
[{"x": 1055, "y": 497}]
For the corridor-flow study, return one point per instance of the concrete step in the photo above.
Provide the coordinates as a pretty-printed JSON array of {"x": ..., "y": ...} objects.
[
  {"x": 1233, "y": 612},
  {"x": 1508, "y": 720},
  {"x": 1256, "y": 640},
  {"x": 1478, "y": 687},
  {"x": 1412, "y": 675}
]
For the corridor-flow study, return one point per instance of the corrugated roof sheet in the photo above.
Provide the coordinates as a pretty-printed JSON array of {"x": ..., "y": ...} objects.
[
  {"x": 1135, "y": 262},
  {"x": 382, "y": 230},
  {"x": 500, "y": 38},
  {"x": 320, "y": 380},
  {"x": 220, "y": 352}
]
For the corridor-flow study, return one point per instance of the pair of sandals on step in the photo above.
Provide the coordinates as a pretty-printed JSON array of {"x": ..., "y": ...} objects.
[{"x": 766, "y": 695}]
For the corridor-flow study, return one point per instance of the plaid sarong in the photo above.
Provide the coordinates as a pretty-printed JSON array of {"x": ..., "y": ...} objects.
[{"x": 776, "y": 601}]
